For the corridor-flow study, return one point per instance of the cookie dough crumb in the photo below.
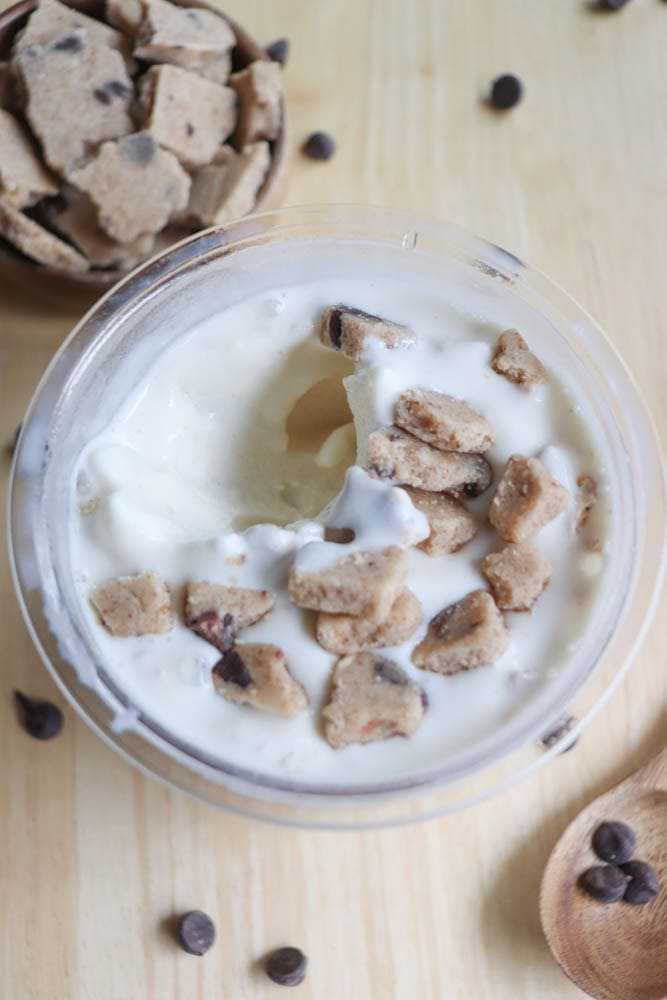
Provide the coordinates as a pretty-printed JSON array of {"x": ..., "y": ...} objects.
[
  {"x": 450, "y": 523},
  {"x": 371, "y": 699},
  {"x": 442, "y": 421},
  {"x": 356, "y": 633},
  {"x": 38, "y": 243},
  {"x": 260, "y": 90},
  {"x": 468, "y": 634},
  {"x": 394, "y": 454},
  {"x": 257, "y": 674},
  {"x": 513, "y": 359},
  {"x": 351, "y": 331},
  {"x": 134, "y": 605},
  {"x": 77, "y": 219},
  {"x": 517, "y": 576},
  {"x": 228, "y": 188},
  {"x": 126, "y": 15},
  {"x": 59, "y": 27},
  {"x": 244, "y": 606},
  {"x": 23, "y": 179},
  {"x": 195, "y": 39},
  {"x": 360, "y": 583},
  {"x": 585, "y": 500},
  {"x": 526, "y": 499}
]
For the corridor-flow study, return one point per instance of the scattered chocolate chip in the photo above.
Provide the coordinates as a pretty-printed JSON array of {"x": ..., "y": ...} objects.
[
  {"x": 189, "y": 129},
  {"x": 41, "y": 719},
  {"x": 606, "y": 883},
  {"x": 506, "y": 92},
  {"x": 196, "y": 932},
  {"x": 342, "y": 536},
  {"x": 233, "y": 670},
  {"x": 70, "y": 43},
  {"x": 102, "y": 95},
  {"x": 214, "y": 629},
  {"x": 286, "y": 966},
  {"x": 278, "y": 51},
  {"x": 139, "y": 148},
  {"x": 319, "y": 146},
  {"x": 387, "y": 671},
  {"x": 614, "y": 843},
  {"x": 643, "y": 885}
]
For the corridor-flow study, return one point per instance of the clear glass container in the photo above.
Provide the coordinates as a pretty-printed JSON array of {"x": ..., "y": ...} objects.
[{"x": 145, "y": 313}]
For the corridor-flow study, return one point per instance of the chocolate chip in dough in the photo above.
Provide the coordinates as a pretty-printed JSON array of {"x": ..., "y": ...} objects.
[
  {"x": 606, "y": 883},
  {"x": 643, "y": 884},
  {"x": 506, "y": 92},
  {"x": 233, "y": 670},
  {"x": 41, "y": 719},
  {"x": 139, "y": 148},
  {"x": 70, "y": 43},
  {"x": 319, "y": 146},
  {"x": 614, "y": 843},
  {"x": 278, "y": 51},
  {"x": 196, "y": 932},
  {"x": 610, "y": 4},
  {"x": 286, "y": 966}
]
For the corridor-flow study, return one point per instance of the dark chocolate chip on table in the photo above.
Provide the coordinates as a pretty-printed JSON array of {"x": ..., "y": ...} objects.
[
  {"x": 643, "y": 883},
  {"x": 606, "y": 883},
  {"x": 41, "y": 719},
  {"x": 506, "y": 92},
  {"x": 614, "y": 842},
  {"x": 196, "y": 932},
  {"x": 286, "y": 966},
  {"x": 278, "y": 51},
  {"x": 319, "y": 146}
]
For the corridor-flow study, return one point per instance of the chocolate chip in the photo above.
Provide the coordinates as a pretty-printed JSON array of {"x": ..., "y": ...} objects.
[
  {"x": 606, "y": 883},
  {"x": 614, "y": 843},
  {"x": 118, "y": 89},
  {"x": 101, "y": 95},
  {"x": 196, "y": 932},
  {"x": 41, "y": 719},
  {"x": 216, "y": 630},
  {"x": 319, "y": 146},
  {"x": 286, "y": 966},
  {"x": 506, "y": 91},
  {"x": 70, "y": 43},
  {"x": 139, "y": 148},
  {"x": 341, "y": 536},
  {"x": 189, "y": 129},
  {"x": 611, "y": 4},
  {"x": 481, "y": 476},
  {"x": 278, "y": 51},
  {"x": 336, "y": 327},
  {"x": 387, "y": 671},
  {"x": 233, "y": 670},
  {"x": 643, "y": 885}
]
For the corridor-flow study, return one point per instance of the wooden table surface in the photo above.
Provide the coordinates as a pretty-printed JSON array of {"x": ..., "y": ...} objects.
[{"x": 94, "y": 856}]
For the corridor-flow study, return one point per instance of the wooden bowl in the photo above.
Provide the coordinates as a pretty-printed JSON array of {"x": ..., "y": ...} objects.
[{"x": 16, "y": 268}]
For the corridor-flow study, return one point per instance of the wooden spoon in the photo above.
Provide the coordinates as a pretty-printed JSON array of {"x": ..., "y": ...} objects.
[{"x": 612, "y": 951}]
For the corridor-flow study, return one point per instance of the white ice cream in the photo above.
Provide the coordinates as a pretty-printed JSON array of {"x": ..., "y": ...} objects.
[{"x": 242, "y": 429}]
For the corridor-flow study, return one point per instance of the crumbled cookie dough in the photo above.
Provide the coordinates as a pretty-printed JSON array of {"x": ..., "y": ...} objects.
[
  {"x": 38, "y": 243},
  {"x": 76, "y": 218},
  {"x": 513, "y": 359},
  {"x": 351, "y": 331},
  {"x": 228, "y": 188},
  {"x": 135, "y": 185},
  {"x": 517, "y": 576},
  {"x": 58, "y": 27},
  {"x": 360, "y": 583},
  {"x": 260, "y": 90},
  {"x": 244, "y": 606},
  {"x": 395, "y": 454},
  {"x": 371, "y": 699},
  {"x": 585, "y": 500},
  {"x": 23, "y": 179},
  {"x": 356, "y": 633},
  {"x": 526, "y": 499},
  {"x": 134, "y": 605},
  {"x": 442, "y": 421},
  {"x": 195, "y": 39},
  {"x": 257, "y": 674},
  {"x": 126, "y": 15},
  {"x": 470, "y": 633},
  {"x": 450, "y": 523},
  {"x": 187, "y": 114}
]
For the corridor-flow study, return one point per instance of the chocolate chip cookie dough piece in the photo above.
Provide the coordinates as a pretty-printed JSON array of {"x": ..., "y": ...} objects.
[
  {"x": 55, "y": 25},
  {"x": 526, "y": 499},
  {"x": 257, "y": 674},
  {"x": 23, "y": 178},
  {"x": 450, "y": 523},
  {"x": 260, "y": 90},
  {"x": 243, "y": 606},
  {"x": 134, "y": 605},
  {"x": 394, "y": 454},
  {"x": 228, "y": 188},
  {"x": 442, "y": 421},
  {"x": 360, "y": 583},
  {"x": 187, "y": 114},
  {"x": 468, "y": 634},
  {"x": 126, "y": 15},
  {"x": 63, "y": 84},
  {"x": 356, "y": 633},
  {"x": 513, "y": 359},
  {"x": 76, "y": 218},
  {"x": 135, "y": 185},
  {"x": 198, "y": 40},
  {"x": 371, "y": 699},
  {"x": 36, "y": 242},
  {"x": 351, "y": 331},
  {"x": 517, "y": 576}
]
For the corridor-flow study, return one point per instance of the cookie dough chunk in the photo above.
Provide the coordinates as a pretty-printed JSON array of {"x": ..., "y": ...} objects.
[
  {"x": 468, "y": 634},
  {"x": 257, "y": 674},
  {"x": 197, "y": 40},
  {"x": 444, "y": 422},
  {"x": 57, "y": 26},
  {"x": 245, "y": 607},
  {"x": 356, "y": 633},
  {"x": 23, "y": 179},
  {"x": 361, "y": 583},
  {"x": 371, "y": 699},
  {"x": 517, "y": 576},
  {"x": 126, "y": 15},
  {"x": 36, "y": 242},
  {"x": 513, "y": 359},
  {"x": 135, "y": 185},
  {"x": 351, "y": 331},
  {"x": 134, "y": 605},
  {"x": 450, "y": 523},
  {"x": 187, "y": 114},
  {"x": 526, "y": 499},
  {"x": 228, "y": 188},
  {"x": 77, "y": 96},
  {"x": 260, "y": 90},
  {"x": 394, "y": 454},
  {"x": 77, "y": 219}
]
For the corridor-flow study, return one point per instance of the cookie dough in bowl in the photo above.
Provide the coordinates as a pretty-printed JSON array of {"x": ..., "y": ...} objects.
[{"x": 339, "y": 517}]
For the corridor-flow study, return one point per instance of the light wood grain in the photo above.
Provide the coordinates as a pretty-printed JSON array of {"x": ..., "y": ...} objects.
[{"x": 93, "y": 855}]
